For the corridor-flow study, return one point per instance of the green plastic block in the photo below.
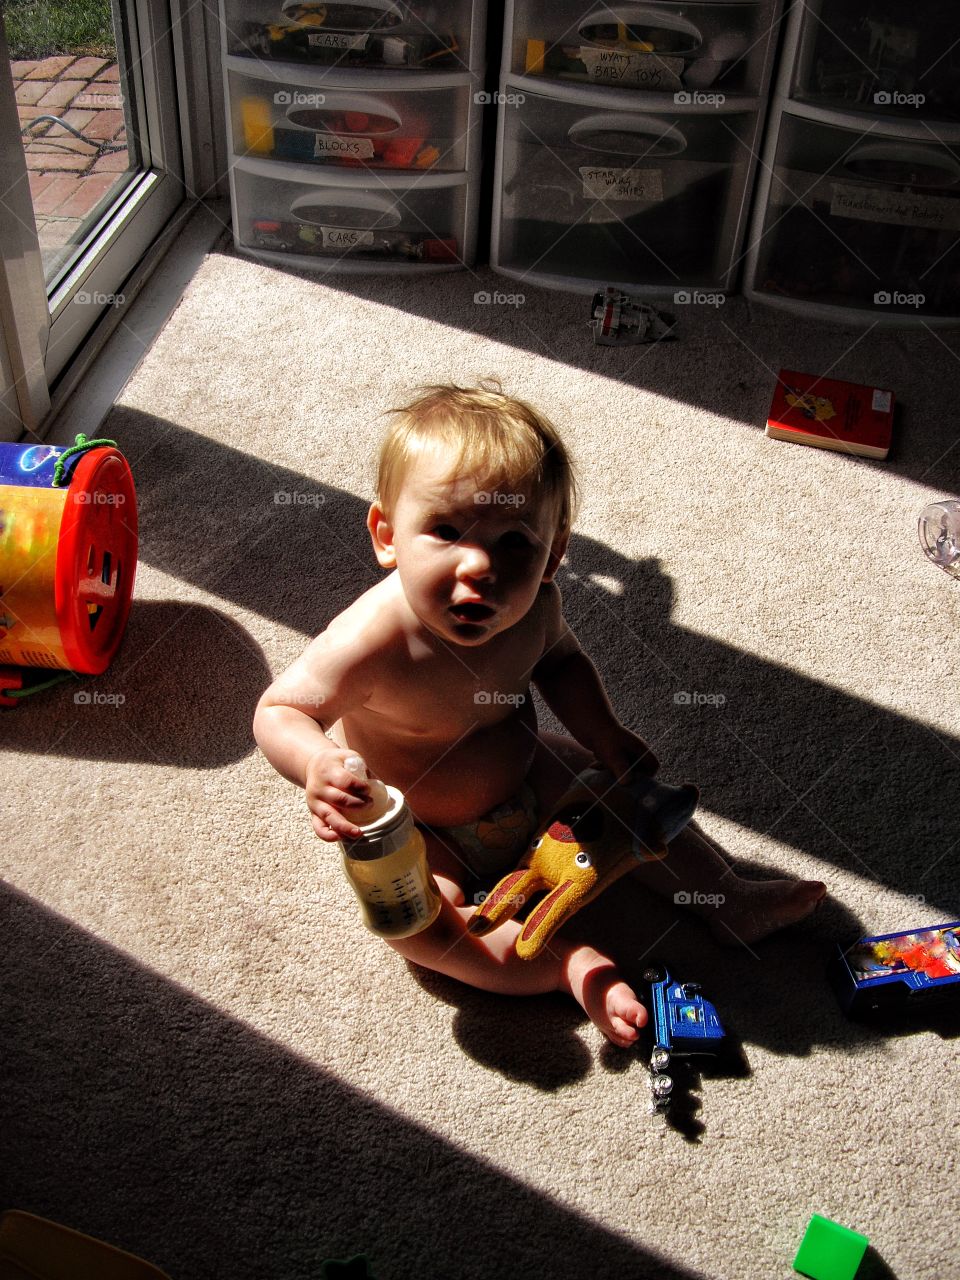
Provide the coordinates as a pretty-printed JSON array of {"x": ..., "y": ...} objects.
[{"x": 829, "y": 1251}]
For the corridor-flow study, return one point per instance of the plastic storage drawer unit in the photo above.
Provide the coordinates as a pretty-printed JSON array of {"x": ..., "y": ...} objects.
[
  {"x": 341, "y": 119},
  {"x": 367, "y": 33},
  {"x": 863, "y": 216},
  {"x": 589, "y": 190},
  {"x": 351, "y": 220},
  {"x": 722, "y": 45},
  {"x": 891, "y": 57}
]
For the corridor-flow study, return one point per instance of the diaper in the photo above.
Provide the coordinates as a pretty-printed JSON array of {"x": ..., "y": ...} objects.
[{"x": 494, "y": 843}]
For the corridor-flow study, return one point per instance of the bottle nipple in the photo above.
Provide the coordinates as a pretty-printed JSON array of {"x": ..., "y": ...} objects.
[{"x": 379, "y": 801}]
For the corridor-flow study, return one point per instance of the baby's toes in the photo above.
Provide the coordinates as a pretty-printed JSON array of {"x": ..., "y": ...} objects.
[
  {"x": 622, "y": 1033},
  {"x": 625, "y": 1010},
  {"x": 629, "y": 1009}
]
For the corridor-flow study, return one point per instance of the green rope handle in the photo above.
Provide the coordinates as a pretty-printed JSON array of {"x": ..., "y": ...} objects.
[
  {"x": 38, "y": 688},
  {"x": 81, "y": 445}
]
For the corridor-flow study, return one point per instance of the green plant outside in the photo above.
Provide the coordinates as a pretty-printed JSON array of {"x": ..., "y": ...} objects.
[{"x": 42, "y": 28}]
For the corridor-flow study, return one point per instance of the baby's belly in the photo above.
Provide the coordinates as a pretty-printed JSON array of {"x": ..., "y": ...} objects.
[{"x": 447, "y": 785}]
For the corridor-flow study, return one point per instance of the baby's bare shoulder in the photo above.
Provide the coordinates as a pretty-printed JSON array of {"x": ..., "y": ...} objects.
[
  {"x": 365, "y": 631},
  {"x": 340, "y": 667}
]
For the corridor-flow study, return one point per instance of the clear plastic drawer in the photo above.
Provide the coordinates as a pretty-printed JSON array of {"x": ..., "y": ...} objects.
[
  {"x": 657, "y": 47},
  {"x": 892, "y": 57},
  {"x": 616, "y": 195},
  {"x": 350, "y": 218},
  {"x": 857, "y": 218},
  {"x": 433, "y": 36},
  {"x": 332, "y": 118}
]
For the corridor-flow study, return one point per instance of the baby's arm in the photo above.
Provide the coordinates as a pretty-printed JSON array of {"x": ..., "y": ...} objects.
[
  {"x": 292, "y": 718},
  {"x": 572, "y": 689}
]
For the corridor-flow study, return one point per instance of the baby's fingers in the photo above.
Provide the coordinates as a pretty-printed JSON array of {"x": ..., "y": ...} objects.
[
  {"x": 337, "y": 797},
  {"x": 331, "y": 825},
  {"x": 354, "y": 790}
]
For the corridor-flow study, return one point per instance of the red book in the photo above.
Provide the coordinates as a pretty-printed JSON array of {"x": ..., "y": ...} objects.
[{"x": 831, "y": 414}]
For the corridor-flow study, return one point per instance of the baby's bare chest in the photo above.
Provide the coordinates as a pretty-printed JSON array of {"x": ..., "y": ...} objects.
[{"x": 444, "y": 693}]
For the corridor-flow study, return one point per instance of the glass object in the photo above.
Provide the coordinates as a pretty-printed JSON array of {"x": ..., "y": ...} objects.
[{"x": 939, "y": 529}]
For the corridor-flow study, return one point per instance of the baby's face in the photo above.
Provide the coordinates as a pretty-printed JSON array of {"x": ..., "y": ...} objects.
[{"x": 471, "y": 562}]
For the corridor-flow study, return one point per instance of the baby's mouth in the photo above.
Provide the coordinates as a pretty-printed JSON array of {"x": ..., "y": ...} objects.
[{"x": 471, "y": 611}]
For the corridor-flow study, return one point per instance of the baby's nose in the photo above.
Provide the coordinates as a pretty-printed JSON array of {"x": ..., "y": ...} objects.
[{"x": 475, "y": 562}]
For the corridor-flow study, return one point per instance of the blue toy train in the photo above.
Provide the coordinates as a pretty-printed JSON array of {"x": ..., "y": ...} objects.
[{"x": 684, "y": 1024}]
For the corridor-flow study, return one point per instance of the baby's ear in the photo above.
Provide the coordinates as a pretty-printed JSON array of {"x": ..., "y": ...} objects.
[
  {"x": 381, "y": 535},
  {"x": 557, "y": 551}
]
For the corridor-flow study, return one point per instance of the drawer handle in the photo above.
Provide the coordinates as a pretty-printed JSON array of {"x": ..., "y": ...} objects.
[
  {"x": 357, "y": 210},
  {"x": 369, "y": 117},
  {"x": 627, "y": 133},
  {"x": 904, "y": 163},
  {"x": 648, "y": 30},
  {"x": 364, "y": 15}
]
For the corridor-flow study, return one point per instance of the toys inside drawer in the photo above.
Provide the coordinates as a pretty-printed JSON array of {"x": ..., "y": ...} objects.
[
  {"x": 624, "y": 195},
  {"x": 365, "y": 33},
  {"x": 338, "y": 122},
  {"x": 662, "y": 48},
  {"x": 860, "y": 219},
  {"x": 296, "y": 210},
  {"x": 889, "y": 57}
]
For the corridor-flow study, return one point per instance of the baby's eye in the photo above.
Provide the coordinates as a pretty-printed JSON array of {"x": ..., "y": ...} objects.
[
  {"x": 446, "y": 532},
  {"x": 515, "y": 540}
]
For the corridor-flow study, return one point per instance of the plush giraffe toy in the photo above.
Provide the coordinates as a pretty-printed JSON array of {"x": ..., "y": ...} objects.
[{"x": 599, "y": 831}]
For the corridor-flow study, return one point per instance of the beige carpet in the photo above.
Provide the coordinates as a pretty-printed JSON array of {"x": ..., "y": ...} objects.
[{"x": 206, "y": 1058}]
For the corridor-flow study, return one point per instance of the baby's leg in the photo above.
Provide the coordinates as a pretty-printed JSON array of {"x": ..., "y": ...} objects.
[
  {"x": 696, "y": 871},
  {"x": 492, "y": 964}
]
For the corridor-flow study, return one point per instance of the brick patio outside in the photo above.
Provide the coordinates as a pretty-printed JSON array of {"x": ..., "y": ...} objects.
[{"x": 69, "y": 176}]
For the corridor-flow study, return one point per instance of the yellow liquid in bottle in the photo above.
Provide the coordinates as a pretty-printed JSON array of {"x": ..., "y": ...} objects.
[{"x": 397, "y": 892}]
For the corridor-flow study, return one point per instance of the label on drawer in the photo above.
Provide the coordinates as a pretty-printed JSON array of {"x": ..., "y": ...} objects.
[
  {"x": 632, "y": 68},
  {"x": 621, "y": 184},
  {"x": 345, "y": 238},
  {"x": 332, "y": 146},
  {"x": 903, "y": 208},
  {"x": 337, "y": 40}
]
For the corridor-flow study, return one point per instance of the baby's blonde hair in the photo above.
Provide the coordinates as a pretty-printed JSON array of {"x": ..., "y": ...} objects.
[{"x": 502, "y": 442}]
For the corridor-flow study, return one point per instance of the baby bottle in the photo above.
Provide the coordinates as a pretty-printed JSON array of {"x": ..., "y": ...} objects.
[{"x": 387, "y": 863}]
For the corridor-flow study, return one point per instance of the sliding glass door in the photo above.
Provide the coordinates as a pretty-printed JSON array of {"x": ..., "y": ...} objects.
[{"x": 91, "y": 169}]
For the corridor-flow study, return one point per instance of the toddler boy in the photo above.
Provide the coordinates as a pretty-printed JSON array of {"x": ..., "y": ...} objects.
[{"x": 427, "y": 677}]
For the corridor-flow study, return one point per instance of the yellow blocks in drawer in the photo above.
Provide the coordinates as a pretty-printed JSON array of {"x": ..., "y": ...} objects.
[{"x": 394, "y": 121}]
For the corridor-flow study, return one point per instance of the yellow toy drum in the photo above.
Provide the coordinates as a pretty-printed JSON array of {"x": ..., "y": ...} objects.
[{"x": 68, "y": 554}]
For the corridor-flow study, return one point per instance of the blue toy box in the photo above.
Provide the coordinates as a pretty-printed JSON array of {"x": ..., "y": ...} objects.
[{"x": 899, "y": 972}]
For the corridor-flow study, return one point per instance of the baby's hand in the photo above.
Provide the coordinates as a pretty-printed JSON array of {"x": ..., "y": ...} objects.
[
  {"x": 624, "y": 751},
  {"x": 332, "y": 791}
]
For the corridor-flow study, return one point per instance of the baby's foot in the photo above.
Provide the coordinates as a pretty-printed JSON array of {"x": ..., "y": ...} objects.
[
  {"x": 757, "y": 908},
  {"x": 606, "y": 999}
]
